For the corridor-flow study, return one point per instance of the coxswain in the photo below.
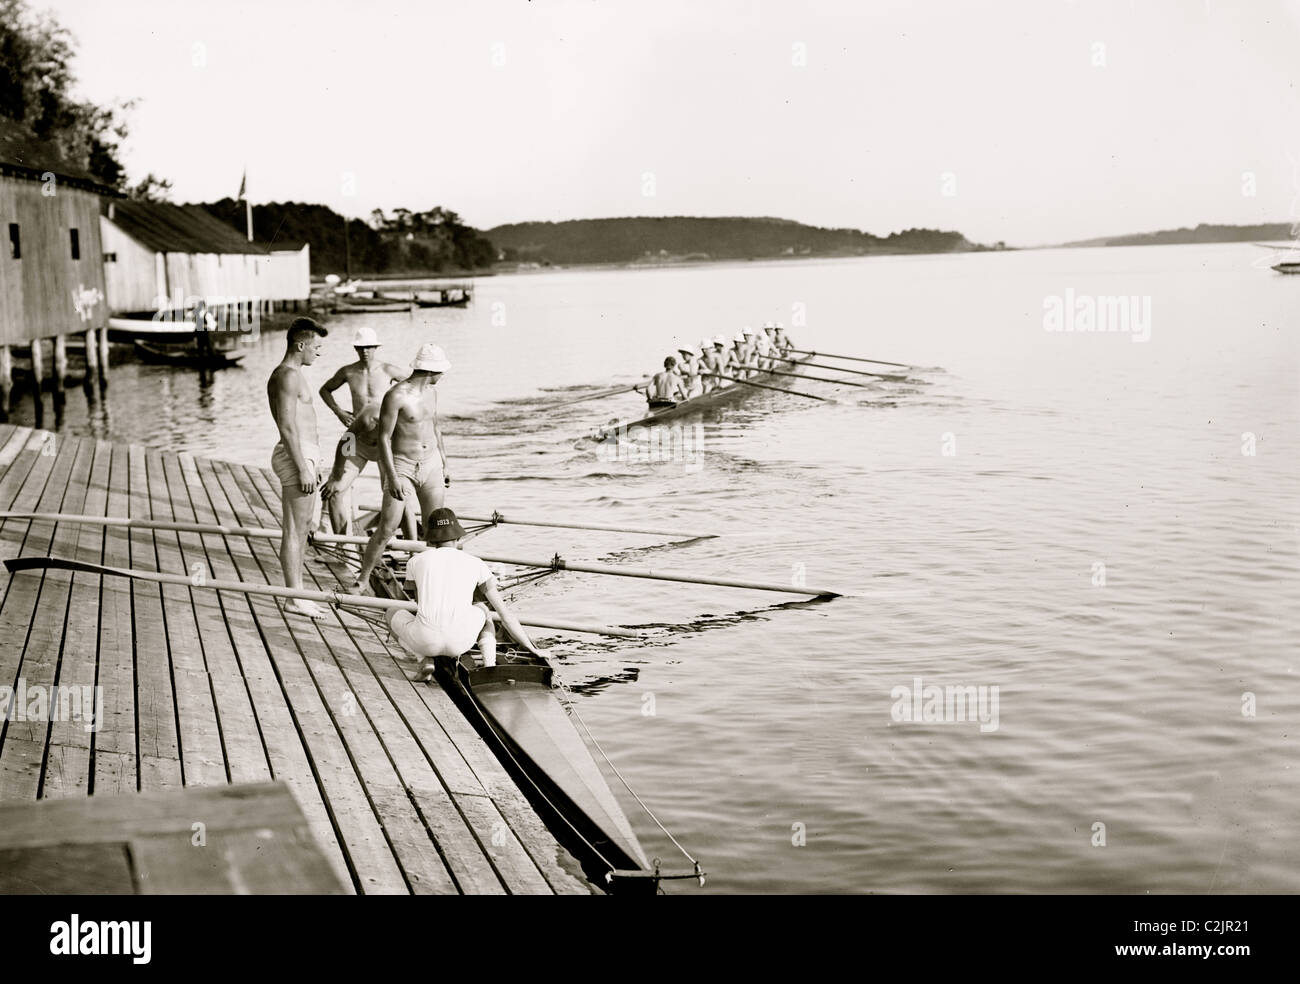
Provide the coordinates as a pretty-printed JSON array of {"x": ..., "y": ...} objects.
[{"x": 449, "y": 619}]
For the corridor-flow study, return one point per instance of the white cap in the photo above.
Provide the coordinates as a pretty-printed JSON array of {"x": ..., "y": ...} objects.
[
  {"x": 769, "y": 324},
  {"x": 780, "y": 327},
  {"x": 431, "y": 359},
  {"x": 719, "y": 340},
  {"x": 740, "y": 338},
  {"x": 705, "y": 343},
  {"x": 365, "y": 337},
  {"x": 747, "y": 330}
]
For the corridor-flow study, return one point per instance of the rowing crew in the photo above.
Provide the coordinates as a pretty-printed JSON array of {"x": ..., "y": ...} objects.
[
  {"x": 707, "y": 367},
  {"x": 394, "y": 422}
]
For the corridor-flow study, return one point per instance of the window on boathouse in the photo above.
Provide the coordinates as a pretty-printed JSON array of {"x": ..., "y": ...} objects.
[
  {"x": 76, "y": 244},
  {"x": 15, "y": 243}
]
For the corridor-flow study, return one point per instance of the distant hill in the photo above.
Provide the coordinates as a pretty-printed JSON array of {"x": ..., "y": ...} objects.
[
  {"x": 1203, "y": 233},
  {"x": 681, "y": 238}
]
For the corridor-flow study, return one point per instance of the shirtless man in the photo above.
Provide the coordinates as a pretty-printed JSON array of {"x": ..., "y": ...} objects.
[
  {"x": 717, "y": 362},
  {"x": 742, "y": 356},
  {"x": 296, "y": 459},
  {"x": 783, "y": 344},
  {"x": 665, "y": 388},
  {"x": 690, "y": 372},
  {"x": 411, "y": 453},
  {"x": 367, "y": 378}
]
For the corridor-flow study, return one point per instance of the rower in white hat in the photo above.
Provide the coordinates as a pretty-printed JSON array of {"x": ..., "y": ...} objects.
[
  {"x": 368, "y": 378},
  {"x": 744, "y": 353},
  {"x": 689, "y": 369},
  {"x": 412, "y": 457},
  {"x": 716, "y": 362}
]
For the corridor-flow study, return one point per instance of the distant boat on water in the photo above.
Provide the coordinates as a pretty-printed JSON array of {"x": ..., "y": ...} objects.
[{"x": 1289, "y": 267}]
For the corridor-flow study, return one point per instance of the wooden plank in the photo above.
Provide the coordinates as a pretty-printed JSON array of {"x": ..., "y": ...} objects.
[
  {"x": 114, "y": 751},
  {"x": 267, "y": 861},
  {"x": 157, "y": 736},
  {"x": 383, "y": 787},
  {"x": 241, "y": 740},
  {"x": 230, "y": 839},
  {"x": 203, "y": 760},
  {"x": 284, "y": 748},
  {"x": 360, "y": 833},
  {"x": 67, "y": 767},
  {"x": 19, "y": 765},
  {"x": 416, "y": 741},
  {"x": 66, "y": 869},
  {"x": 20, "y": 778}
]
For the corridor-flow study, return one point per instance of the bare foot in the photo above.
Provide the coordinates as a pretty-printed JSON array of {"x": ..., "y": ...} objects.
[
  {"x": 426, "y": 671},
  {"x": 359, "y": 588},
  {"x": 304, "y": 607}
]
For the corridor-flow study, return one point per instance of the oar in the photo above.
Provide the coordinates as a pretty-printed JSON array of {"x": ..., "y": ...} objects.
[
  {"x": 778, "y": 389},
  {"x": 497, "y": 519},
  {"x": 408, "y": 546},
  {"x": 855, "y": 372},
  {"x": 820, "y": 379},
  {"x": 325, "y": 597},
  {"x": 853, "y": 358},
  {"x": 593, "y": 396},
  {"x": 558, "y": 563}
]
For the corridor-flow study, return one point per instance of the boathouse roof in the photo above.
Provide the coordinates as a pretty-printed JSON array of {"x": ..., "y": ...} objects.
[{"x": 167, "y": 228}]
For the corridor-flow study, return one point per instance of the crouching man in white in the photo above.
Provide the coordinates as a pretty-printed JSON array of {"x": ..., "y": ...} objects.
[{"x": 449, "y": 621}]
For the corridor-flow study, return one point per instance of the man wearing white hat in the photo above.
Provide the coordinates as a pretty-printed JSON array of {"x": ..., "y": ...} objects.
[
  {"x": 744, "y": 355},
  {"x": 367, "y": 378},
  {"x": 717, "y": 362},
  {"x": 689, "y": 369},
  {"x": 411, "y": 453}
]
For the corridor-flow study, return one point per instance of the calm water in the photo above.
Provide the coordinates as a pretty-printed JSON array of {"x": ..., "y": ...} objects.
[{"x": 762, "y": 733}]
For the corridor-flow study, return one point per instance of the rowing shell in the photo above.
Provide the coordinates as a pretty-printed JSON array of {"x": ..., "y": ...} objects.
[
  {"x": 514, "y": 708},
  {"x": 722, "y": 394}
]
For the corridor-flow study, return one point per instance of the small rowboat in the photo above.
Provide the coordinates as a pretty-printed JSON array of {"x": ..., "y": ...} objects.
[
  {"x": 514, "y": 708},
  {"x": 346, "y": 306},
  {"x": 726, "y": 392},
  {"x": 1288, "y": 267},
  {"x": 189, "y": 357}
]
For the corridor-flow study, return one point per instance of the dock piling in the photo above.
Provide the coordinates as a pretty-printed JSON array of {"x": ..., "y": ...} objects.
[
  {"x": 92, "y": 365},
  {"x": 38, "y": 382},
  {"x": 103, "y": 359},
  {"x": 6, "y": 382},
  {"x": 60, "y": 345}
]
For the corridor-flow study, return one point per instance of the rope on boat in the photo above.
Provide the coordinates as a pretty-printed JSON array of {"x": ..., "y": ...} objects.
[{"x": 640, "y": 802}]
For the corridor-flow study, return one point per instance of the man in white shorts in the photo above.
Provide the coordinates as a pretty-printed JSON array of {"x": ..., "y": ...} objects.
[
  {"x": 449, "y": 621},
  {"x": 296, "y": 459}
]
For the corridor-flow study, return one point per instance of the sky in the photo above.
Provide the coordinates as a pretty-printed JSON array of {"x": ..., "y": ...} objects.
[{"x": 1028, "y": 122}]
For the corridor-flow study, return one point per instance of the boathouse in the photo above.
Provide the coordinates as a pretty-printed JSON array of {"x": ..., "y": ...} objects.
[
  {"x": 51, "y": 260},
  {"x": 160, "y": 257}
]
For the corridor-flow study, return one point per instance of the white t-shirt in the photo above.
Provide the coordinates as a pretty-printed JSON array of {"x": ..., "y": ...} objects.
[{"x": 445, "y": 579}]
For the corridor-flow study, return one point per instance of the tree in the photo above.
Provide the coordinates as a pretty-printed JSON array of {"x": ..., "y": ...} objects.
[
  {"x": 36, "y": 83},
  {"x": 150, "y": 188}
]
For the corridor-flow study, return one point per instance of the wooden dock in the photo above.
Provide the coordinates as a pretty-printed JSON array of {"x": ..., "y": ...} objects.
[{"x": 206, "y": 688}]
